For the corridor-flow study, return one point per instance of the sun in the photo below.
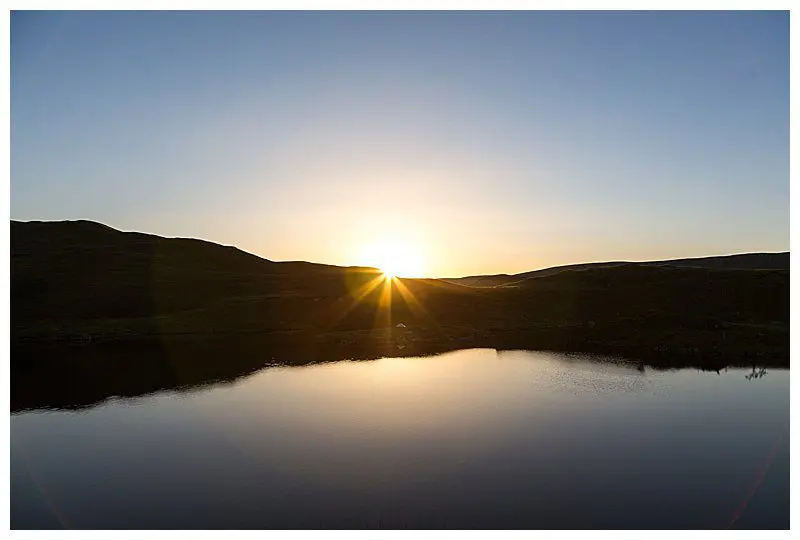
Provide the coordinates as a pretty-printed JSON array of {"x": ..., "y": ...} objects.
[{"x": 396, "y": 259}]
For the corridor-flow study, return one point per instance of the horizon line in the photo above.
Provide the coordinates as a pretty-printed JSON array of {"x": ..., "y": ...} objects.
[{"x": 619, "y": 261}]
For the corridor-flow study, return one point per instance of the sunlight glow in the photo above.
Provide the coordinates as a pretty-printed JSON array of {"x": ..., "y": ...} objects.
[{"x": 396, "y": 259}]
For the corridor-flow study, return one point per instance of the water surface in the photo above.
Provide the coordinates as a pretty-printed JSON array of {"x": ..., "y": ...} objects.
[{"x": 470, "y": 439}]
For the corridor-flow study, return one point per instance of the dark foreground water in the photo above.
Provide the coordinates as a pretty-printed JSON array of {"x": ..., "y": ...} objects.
[{"x": 471, "y": 439}]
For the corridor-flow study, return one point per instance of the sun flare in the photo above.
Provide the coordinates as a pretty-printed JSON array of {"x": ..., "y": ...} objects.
[{"x": 396, "y": 259}]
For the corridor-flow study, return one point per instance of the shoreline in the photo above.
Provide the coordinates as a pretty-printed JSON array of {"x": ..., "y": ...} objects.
[
  {"x": 147, "y": 364},
  {"x": 315, "y": 346}
]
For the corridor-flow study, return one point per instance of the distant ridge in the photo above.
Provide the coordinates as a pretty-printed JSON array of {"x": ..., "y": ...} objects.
[{"x": 739, "y": 261}]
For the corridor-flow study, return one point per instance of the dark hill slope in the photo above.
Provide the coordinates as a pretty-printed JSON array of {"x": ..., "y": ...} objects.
[
  {"x": 681, "y": 294},
  {"x": 78, "y": 278},
  {"x": 70, "y": 270},
  {"x": 742, "y": 261}
]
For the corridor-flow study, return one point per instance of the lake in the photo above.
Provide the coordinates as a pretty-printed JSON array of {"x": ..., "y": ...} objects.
[{"x": 468, "y": 439}]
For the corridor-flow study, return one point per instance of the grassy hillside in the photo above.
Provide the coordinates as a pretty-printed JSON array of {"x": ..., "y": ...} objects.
[{"x": 80, "y": 278}]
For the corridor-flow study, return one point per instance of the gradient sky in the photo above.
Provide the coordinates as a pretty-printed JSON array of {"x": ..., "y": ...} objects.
[{"x": 490, "y": 142}]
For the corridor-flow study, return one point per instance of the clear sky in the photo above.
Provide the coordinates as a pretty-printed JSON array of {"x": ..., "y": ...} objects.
[{"x": 483, "y": 142}]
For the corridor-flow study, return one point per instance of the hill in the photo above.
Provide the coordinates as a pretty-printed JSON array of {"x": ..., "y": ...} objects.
[
  {"x": 71, "y": 270},
  {"x": 741, "y": 261},
  {"x": 195, "y": 311},
  {"x": 75, "y": 279}
]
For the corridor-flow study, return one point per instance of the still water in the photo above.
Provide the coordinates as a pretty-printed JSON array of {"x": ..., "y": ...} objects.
[{"x": 469, "y": 439}]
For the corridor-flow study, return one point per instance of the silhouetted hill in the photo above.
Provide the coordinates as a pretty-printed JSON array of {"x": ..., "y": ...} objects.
[
  {"x": 70, "y": 270},
  {"x": 165, "y": 312},
  {"x": 742, "y": 261}
]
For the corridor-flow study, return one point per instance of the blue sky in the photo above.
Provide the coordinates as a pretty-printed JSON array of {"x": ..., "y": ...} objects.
[{"x": 488, "y": 142}]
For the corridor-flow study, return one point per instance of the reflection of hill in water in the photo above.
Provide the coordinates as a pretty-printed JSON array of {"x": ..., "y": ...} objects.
[{"x": 80, "y": 377}]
